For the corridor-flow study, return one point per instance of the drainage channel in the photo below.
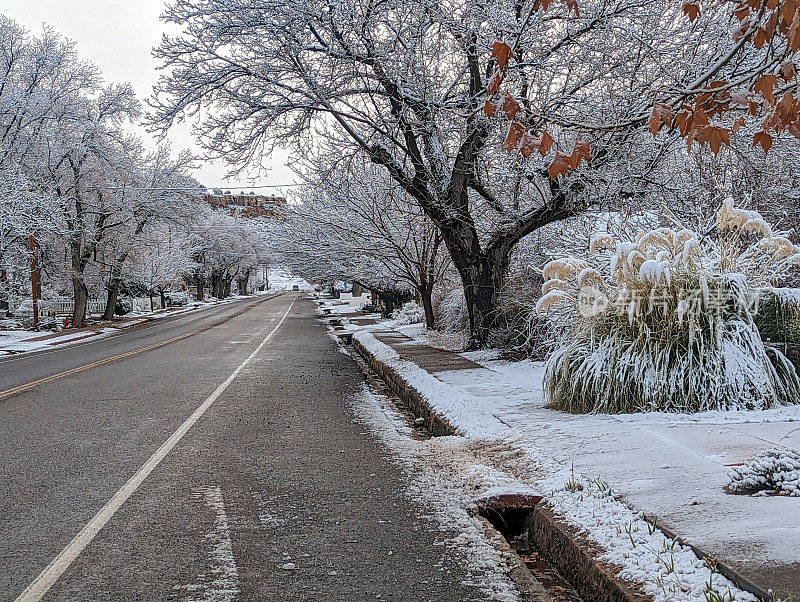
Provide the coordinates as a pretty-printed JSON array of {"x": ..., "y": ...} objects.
[
  {"x": 512, "y": 524},
  {"x": 376, "y": 383}
]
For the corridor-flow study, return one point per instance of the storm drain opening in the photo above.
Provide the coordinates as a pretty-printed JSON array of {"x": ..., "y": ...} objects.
[
  {"x": 564, "y": 565},
  {"x": 512, "y": 523}
]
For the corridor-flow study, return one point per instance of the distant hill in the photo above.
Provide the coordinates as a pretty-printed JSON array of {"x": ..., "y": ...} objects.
[{"x": 247, "y": 205}]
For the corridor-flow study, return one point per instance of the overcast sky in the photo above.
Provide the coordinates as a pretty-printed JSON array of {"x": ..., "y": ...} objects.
[{"x": 117, "y": 35}]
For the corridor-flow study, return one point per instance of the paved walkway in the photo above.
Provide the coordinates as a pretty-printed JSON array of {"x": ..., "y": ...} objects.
[{"x": 671, "y": 467}]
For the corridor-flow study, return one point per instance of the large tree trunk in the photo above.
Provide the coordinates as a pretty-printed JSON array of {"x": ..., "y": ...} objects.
[
  {"x": 242, "y": 282},
  {"x": 81, "y": 296},
  {"x": 111, "y": 299},
  {"x": 216, "y": 284},
  {"x": 483, "y": 275}
]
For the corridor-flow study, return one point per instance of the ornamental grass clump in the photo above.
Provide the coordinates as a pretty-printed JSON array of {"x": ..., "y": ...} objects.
[{"x": 665, "y": 322}]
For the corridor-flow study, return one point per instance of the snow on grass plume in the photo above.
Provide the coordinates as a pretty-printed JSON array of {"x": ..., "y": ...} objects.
[{"x": 666, "y": 323}]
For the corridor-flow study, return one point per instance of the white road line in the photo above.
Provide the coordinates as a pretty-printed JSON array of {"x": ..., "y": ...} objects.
[{"x": 47, "y": 578}]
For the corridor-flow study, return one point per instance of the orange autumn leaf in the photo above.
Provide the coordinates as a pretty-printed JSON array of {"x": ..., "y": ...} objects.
[
  {"x": 793, "y": 36},
  {"x": 763, "y": 139},
  {"x": 738, "y": 123},
  {"x": 509, "y": 105},
  {"x": 581, "y": 152},
  {"x": 528, "y": 145},
  {"x": 788, "y": 70},
  {"x": 788, "y": 11},
  {"x": 515, "y": 132},
  {"x": 545, "y": 143},
  {"x": 765, "y": 85},
  {"x": 691, "y": 10},
  {"x": 572, "y": 5},
  {"x": 661, "y": 114},
  {"x": 760, "y": 38},
  {"x": 488, "y": 108},
  {"x": 715, "y": 136},
  {"x": 502, "y": 52},
  {"x": 559, "y": 166}
]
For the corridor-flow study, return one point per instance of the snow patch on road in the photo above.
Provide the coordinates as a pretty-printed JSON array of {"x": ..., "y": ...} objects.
[
  {"x": 224, "y": 585},
  {"x": 437, "y": 470}
]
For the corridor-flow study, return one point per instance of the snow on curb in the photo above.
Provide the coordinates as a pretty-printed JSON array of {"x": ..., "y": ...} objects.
[
  {"x": 667, "y": 570},
  {"x": 643, "y": 553},
  {"x": 442, "y": 399}
]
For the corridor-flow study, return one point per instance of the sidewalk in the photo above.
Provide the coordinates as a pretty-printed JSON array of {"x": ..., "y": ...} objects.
[{"x": 670, "y": 467}]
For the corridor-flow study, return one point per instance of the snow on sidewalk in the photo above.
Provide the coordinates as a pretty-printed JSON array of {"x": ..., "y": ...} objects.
[{"x": 671, "y": 467}]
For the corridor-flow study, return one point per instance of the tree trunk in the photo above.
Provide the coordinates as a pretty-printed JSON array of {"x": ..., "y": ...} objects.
[
  {"x": 3, "y": 281},
  {"x": 162, "y": 298},
  {"x": 81, "y": 297},
  {"x": 216, "y": 285},
  {"x": 426, "y": 296},
  {"x": 200, "y": 283},
  {"x": 242, "y": 282},
  {"x": 483, "y": 276},
  {"x": 111, "y": 299}
]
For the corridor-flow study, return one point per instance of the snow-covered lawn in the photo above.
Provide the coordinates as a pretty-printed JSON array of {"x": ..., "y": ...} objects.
[
  {"x": 23, "y": 341},
  {"x": 665, "y": 466}
]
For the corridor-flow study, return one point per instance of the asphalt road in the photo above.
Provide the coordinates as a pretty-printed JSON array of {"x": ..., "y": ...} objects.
[{"x": 275, "y": 473}]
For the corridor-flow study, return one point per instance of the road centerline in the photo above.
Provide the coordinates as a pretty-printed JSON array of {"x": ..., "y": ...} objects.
[{"x": 53, "y": 571}]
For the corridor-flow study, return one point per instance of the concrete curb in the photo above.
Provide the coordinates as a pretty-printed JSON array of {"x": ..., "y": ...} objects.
[
  {"x": 562, "y": 544},
  {"x": 567, "y": 555},
  {"x": 435, "y": 423}
]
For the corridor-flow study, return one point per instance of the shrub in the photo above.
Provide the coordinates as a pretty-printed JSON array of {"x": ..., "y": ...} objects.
[
  {"x": 778, "y": 315},
  {"x": 775, "y": 471},
  {"x": 665, "y": 322},
  {"x": 410, "y": 313},
  {"x": 450, "y": 310}
]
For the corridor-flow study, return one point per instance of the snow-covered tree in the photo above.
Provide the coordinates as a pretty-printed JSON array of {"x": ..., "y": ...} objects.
[
  {"x": 361, "y": 220},
  {"x": 405, "y": 86}
]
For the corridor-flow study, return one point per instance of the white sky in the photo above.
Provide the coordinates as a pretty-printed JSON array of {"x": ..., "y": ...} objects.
[{"x": 117, "y": 35}]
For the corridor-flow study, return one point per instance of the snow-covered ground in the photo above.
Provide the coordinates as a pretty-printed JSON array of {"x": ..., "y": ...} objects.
[
  {"x": 16, "y": 341},
  {"x": 21, "y": 341},
  {"x": 629, "y": 468}
]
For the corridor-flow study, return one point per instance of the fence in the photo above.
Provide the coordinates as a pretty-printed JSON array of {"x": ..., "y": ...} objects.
[{"x": 66, "y": 306}]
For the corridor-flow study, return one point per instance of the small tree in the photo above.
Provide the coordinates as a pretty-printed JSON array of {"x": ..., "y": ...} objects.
[{"x": 366, "y": 224}]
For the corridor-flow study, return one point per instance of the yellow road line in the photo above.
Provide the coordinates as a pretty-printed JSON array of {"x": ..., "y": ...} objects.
[{"x": 114, "y": 358}]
